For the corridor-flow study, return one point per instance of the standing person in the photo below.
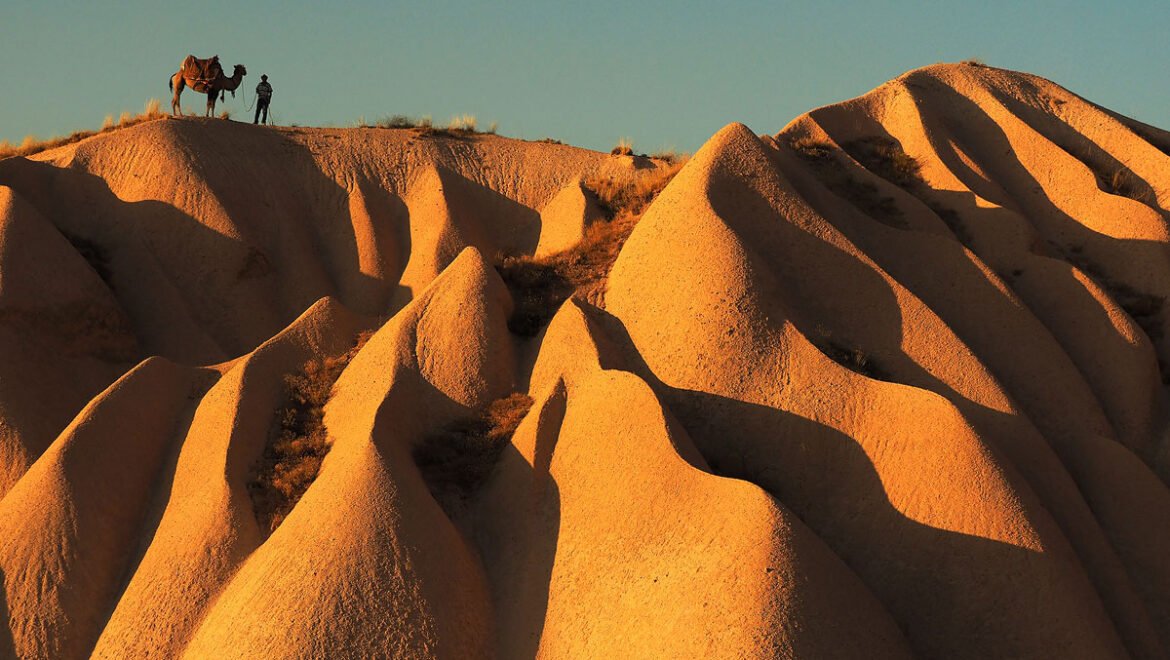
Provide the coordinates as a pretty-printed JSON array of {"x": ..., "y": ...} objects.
[{"x": 263, "y": 96}]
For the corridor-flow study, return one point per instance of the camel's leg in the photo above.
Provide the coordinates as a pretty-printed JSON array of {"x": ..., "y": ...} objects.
[
  {"x": 177, "y": 83},
  {"x": 211, "y": 103}
]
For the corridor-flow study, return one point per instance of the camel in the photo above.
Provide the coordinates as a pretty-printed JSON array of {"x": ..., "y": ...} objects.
[
  {"x": 223, "y": 83},
  {"x": 204, "y": 76}
]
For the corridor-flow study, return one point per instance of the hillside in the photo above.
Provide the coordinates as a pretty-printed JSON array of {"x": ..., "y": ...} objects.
[{"x": 890, "y": 382}]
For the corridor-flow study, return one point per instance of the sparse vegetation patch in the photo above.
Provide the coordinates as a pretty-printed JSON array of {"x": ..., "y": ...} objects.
[
  {"x": 31, "y": 145},
  {"x": 457, "y": 460},
  {"x": 836, "y": 177},
  {"x": 624, "y": 147},
  {"x": 397, "y": 121},
  {"x": 299, "y": 442},
  {"x": 668, "y": 156},
  {"x": 539, "y": 286},
  {"x": 853, "y": 359},
  {"x": 885, "y": 157},
  {"x": 811, "y": 148},
  {"x": 465, "y": 123}
]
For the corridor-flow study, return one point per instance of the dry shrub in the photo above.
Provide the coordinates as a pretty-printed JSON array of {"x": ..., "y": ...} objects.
[
  {"x": 465, "y": 123},
  {"x": 456, "y": 460},
  {"x": 852, "y": 358},
  {"x": 540, "y": 286},
  {"x": 624, "y": 147},
  {"x": 885, "y": 157},
  {"x": 669, "y": 156},
  {"x": 397, "y": 121},
  {"x": 299, "y": 441},
  {"x": 633, "y": 192},
  {"x": 811, "y": 148},
  {"x": 225, "y": 114},
  {"x": 861, "y": 194}
]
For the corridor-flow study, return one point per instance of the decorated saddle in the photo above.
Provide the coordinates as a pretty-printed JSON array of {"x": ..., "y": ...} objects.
[{"x": 199, "y": 74}]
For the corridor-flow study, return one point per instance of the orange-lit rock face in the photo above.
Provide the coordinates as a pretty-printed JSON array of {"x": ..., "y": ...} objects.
[{"x": 888, "y": 383}]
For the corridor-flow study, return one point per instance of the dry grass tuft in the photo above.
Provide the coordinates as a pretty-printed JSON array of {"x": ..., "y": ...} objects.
[
  {"x": 540, "y": 286},
  {"x": 1117, "y": 182},
  {"x": 457, "y": 460},
  {"x": 397, "y": 121},
  {"x": 1123, "y": 182},
  {"x": 624, "y": 147},
  {"x": 459, "y": 127},
  {"x": 465, "y": 123},
  {"x": 293, "y": 455},
  {"x": 632, "y": 193},
  {"x": 225, "y": 114},
  {"x": 31, "y": 145}
]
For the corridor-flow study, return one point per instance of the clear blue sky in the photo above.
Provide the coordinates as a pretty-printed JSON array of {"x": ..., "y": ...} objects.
[{"x": 666, "y": 74}]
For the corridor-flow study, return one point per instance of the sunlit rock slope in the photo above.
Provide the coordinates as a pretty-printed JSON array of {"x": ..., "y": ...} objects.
[{"x": 889, "y": 383}]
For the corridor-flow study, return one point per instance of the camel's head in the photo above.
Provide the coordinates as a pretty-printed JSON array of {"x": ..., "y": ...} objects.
[{"x": 241, "y": 70}]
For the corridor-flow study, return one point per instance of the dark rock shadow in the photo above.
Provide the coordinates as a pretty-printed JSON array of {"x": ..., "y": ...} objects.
[
  {"x": 516, "y": 526},
  {"x": 7, "y": 645},
  {"x": 495, "y": 224},
  {"x": 936, "y": 583},
  {"x": 1096, "y": 254},
  {"x": 167, "y": 269}
]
